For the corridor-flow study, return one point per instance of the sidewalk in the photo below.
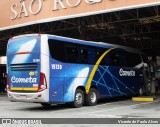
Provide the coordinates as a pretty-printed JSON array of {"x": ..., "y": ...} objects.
[{"x": 151, "y": 97}]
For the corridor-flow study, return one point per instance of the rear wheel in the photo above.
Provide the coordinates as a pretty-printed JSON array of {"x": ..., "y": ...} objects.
[
  {"x": 78, "y": 98},
  {"x": 92, "y": 97}
]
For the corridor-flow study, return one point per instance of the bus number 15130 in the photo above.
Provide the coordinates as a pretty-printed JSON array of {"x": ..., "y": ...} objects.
[{"x": 56, "y": 66}]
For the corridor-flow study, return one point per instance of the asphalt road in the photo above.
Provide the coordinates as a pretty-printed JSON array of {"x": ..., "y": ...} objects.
[{"x": 117, "y": 109}]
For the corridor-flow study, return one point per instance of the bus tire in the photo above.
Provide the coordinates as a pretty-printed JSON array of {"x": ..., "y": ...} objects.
[
  {"x": 78, "y": 99},
  {"x": 92, "y": 97},
  {"x": 46, "y": 105}
]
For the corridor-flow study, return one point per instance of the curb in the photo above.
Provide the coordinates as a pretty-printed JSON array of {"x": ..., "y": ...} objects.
[{"x": 143, "y": 99}]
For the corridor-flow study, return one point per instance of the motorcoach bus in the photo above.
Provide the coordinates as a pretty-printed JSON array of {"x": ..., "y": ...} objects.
[{"x": 49, "y": 69}]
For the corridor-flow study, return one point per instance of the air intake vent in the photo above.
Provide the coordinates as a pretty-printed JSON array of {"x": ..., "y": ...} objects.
[{"x": 23, "y": 67}]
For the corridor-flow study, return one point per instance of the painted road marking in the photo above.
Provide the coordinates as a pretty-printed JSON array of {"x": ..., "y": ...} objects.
[
  {"x": 86, "y": 113},
  {"x": 149, "y": 99}
]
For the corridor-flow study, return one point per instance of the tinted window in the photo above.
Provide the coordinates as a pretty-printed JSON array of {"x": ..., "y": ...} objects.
[
  {"x": 115, "y": 58},
  {"x": 107, "y": 59},
  {"x": 91, "y": 55},
  {"x": 123, "y": 58},
  {"x": 72, "y": 53},
  {"x": 84, "y": 55},
  {"x": 57, "y": 49},
  {"x": 99, "y": 53},
  {"x": 133, "y": 59}
]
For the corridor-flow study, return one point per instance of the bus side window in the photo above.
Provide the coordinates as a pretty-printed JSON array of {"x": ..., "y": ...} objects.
[
  {"x": 123, "y": 58},
  {"x": 133, "y": 59},
  {"x": 107, "y": 59},
  {"x": 91, "y": 56},
  {"x": 56, "y": 49},
  {"x": 72, "y": 55},
  {"x": 115, "y": 58},
  {"x": 99, "y": 54},
  {"x": 83, "y": 55}
]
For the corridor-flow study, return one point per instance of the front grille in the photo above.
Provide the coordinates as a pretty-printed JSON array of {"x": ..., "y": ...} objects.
[{"x": 23, "y": 67}]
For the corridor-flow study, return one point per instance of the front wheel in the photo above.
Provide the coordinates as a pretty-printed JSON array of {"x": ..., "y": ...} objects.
[
  {"x": 78, "y": 99},
  {"x": 92, "y": 97}
]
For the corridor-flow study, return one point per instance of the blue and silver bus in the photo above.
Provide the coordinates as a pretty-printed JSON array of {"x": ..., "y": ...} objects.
[{"x": 49, "y": 69}]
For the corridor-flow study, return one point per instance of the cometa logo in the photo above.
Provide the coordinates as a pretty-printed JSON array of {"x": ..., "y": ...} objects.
[
  {"x": 23, "y": 80},
  {"x": 127, "y": 73}
]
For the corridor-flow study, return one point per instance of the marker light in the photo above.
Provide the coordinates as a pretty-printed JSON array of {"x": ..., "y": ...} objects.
[{"x": 43, "y": 82}]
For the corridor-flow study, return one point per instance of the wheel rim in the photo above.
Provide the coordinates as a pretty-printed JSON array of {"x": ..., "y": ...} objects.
[
  {"x": 79, "y": 98},
  {"x": 93, "y": 97}
]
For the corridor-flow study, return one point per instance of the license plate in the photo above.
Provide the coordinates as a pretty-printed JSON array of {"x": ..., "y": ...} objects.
[{"x": 23, "y": 96}]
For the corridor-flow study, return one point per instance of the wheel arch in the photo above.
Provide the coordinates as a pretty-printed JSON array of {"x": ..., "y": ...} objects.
[
  {"x": 81, "y": 87},
  {"x": 95, "y": 87}
]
